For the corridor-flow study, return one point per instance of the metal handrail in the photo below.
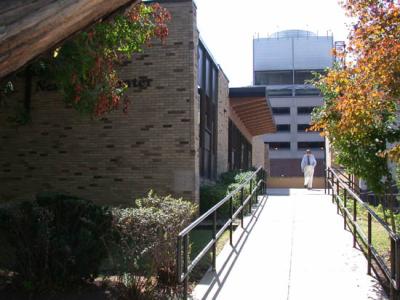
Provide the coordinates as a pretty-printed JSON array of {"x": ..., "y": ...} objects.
[
  {"x": 184, "y": 269},
  {"x": 341, "y": 191},
  {"x": 366, "y": 206}
]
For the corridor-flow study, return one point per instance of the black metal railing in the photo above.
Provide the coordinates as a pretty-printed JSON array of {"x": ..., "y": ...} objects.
[
  {"x": 184, "y": 267},
  {"x": 350, "y": 205},
  {"x": 389, "y": 199},
  {"x": 348, "y": 178}
]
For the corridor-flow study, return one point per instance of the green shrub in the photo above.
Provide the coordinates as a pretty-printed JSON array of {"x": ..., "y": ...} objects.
[
  {"x": 54, "y": 242},
  {"x": 228, "y": 182},
  {"x": 211, "y": 195},
  {"x": 148, "y": 235}
]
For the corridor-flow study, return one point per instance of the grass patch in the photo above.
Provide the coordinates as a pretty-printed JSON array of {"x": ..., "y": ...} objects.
[
  {"x": 380, "y": 237},
  {"x": 198, "y": 240}
]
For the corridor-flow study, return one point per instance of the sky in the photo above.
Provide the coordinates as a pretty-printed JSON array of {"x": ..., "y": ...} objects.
[{"x": 228, "y": 26}]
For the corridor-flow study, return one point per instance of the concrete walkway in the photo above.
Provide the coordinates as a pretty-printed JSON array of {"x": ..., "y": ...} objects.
[{"x": 296, "y": 248}]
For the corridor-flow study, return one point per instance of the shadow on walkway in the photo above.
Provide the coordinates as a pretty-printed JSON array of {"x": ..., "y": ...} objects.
[
  {"x": 297, "y": 251},
  {"x": 214, "y": 281}
]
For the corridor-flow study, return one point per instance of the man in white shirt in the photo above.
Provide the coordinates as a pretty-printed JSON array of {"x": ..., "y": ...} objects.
[{"x": 308, "y": 164}]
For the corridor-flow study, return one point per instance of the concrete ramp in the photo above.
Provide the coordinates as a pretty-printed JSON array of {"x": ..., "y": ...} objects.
[{"x": 295, "y": 248}]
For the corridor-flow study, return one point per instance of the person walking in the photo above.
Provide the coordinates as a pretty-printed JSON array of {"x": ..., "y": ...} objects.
[{"x": 308, "y": 164}]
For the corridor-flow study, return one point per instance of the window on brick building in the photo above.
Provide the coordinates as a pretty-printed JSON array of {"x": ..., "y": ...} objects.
[
  {"x": 208, "y": 92},
  {"x": 239, "y": 149}
]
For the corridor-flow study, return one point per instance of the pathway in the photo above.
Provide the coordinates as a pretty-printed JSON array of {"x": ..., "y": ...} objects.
[{"x": 296, "y": 248}]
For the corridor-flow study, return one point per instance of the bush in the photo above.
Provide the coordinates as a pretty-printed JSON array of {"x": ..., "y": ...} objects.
[
  {"x": 211, "y": 195},
  {"x": 54, "y": 242},
  {"x": 228, "y": 182},
  {"x": 148, "y": 235}
]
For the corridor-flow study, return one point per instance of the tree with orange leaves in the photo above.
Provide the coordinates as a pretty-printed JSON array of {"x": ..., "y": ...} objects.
[{"x": 359, "y": 114}]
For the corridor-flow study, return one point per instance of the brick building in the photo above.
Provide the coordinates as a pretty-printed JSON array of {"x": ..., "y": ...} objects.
[{"x": 175, "y": 136}]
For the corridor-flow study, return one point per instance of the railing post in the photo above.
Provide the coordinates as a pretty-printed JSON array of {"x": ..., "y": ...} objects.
[
  {"x": 354, "y": 220},
  {"x": 392, "y": 267},
  {"x": 325, "y": 178},
  {"x": 251, "y": 195},
  {"x": 337, "y": 195},
  {"x": 333, "y": 189},
  {"x": 214, "y": 249},
  {"x": 329, "y": 176},
  {"x": 264, "y": 182},
  {"x": 241, "y": 204},
  {"x": 397, "y": 276},
  {"x": 344, "y": 209},
  {"x": 369, "y": 242},
  {"x": 185, "y": 265},
  {"x": 179, "y": 258},
  {"x": 231, "y": 225}
]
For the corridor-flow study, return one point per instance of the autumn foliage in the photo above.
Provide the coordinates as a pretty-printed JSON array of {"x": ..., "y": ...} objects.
[
  {"x": 85, "y": 67},
  {"x": 362, "y": 93}
]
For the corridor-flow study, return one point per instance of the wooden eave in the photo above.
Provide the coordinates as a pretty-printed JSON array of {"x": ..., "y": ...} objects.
[
  {"x": 254, "y": 113},
  {"x": 29, "y": 28}
]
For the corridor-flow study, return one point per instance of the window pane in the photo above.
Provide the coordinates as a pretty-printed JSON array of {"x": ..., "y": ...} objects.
[
  {"x": 200, "y": 68},
  {"x": 281, "y": 110},
  {"x": 274, "y": 77},
  {"x": 279, "y": 145},
  {"x": 307, "y": 92},
  {"x": 305, "y": 110},
  {"x": 207, "y": 141},
  {"x": 301, "y": 76},
  {"x": 310, "y": 145},
  {"x": 280, "y": 92},
  {"x": 283, "y": 128},
  {"x": 302, "y": 127},
  {"x": 214, "y": 84},
  {"x": 208, "y": 77}
]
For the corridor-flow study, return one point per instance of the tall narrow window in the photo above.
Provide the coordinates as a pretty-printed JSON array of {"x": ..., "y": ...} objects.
[
  {"x": 208, "y": 91},
  {"x": 239, "y": 149}
]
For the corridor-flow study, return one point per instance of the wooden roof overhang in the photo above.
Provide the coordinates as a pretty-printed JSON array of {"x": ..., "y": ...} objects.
[
  {"x": 29, "y": 28},
  {"x": 255, "y": 113}
]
